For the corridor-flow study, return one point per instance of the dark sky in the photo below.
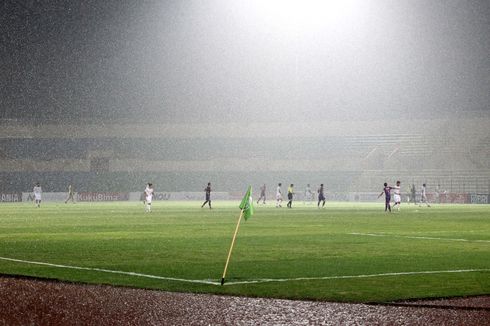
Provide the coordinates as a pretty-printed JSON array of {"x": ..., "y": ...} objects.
[{"x": 217, "y": 60}]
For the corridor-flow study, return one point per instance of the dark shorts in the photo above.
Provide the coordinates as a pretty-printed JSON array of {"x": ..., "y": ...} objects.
[
  {"x": 321, "y": 197},
  {"x": 208, "y": 197},
  {"x": 290, "y": 196}
]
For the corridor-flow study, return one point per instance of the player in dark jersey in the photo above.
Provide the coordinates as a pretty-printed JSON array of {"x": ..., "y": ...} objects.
[
  {"x": 262, "y": 194},
  {"x": 321, "y": 196},
  {"x": 290, "y": 195},
  {"x": 207, "y": 190},
  {"x": 387, "y": 192}
]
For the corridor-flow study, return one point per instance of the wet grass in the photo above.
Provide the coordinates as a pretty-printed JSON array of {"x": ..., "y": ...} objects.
[{"x": 181, "y": 240}]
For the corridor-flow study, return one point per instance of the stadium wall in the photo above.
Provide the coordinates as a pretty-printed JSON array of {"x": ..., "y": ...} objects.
[{"x": 335, "y": 181}]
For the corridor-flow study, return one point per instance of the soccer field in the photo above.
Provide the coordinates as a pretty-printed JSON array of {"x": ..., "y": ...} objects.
[{"x": 345, "y": 252}]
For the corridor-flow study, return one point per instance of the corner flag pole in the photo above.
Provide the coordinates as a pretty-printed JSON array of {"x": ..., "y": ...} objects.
[{"x": 231, "y": 248}]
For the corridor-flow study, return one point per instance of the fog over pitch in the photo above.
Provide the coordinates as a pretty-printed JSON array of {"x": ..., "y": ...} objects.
[
  {"x": 109, "y": 95},
  {"x": 220, "y": 61}
]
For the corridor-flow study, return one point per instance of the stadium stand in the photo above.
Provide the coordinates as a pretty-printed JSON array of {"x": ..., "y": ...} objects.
[{"x": 346, "y": 156}]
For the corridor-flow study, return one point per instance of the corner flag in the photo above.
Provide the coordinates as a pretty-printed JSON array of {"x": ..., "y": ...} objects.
[
  {"x": 246, "y": 210},
  {"x": 247, "y": 204}
]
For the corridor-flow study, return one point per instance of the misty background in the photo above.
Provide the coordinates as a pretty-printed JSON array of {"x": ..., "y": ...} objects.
[{"x": 111, "y": 94}]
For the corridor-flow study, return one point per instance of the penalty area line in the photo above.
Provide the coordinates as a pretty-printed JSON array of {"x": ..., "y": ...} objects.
[
  {"x": 414, "y": 237},
  {"x": 110, "y": 271}
]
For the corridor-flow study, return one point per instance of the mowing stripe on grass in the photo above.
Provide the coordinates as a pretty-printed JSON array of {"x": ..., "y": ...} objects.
[
  {"x": 110, "y": 271},
  {"x": 264, "y": 280},
  {"x": 414, "y": 237}
]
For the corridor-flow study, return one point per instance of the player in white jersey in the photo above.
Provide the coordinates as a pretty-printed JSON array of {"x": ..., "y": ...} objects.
[
  {"x": 397, "y": 196},
  {"x": 37, "y": 194},
  {"x": 148, "y": 197},
  {"x": 71, "y": 194},
  {"x": 423, "y": 196},
  {"x": 278, "y": 195},
  {"x": 308, "y": 195}
]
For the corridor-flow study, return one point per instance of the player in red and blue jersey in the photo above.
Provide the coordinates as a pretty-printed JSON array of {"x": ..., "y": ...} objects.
[{"x": 387, "y": 192}]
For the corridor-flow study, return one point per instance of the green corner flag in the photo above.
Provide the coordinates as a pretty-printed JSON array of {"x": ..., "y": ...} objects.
[
  {"x": 247, "y": 204},
  {"x": 247, "y": 210}
]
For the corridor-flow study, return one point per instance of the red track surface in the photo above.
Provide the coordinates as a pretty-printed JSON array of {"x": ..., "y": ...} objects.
[{"x": 26, "y": 301}]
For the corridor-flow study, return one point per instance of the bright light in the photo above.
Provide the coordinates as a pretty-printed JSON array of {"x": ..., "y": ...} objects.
[{"x": 301, "y": 15}]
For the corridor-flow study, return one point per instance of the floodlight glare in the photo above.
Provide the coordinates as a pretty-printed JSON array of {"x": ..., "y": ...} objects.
[{"x": 305, "y": 14}]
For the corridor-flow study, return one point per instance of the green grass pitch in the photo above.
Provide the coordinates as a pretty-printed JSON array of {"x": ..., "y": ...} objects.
[{"x": 345, "y": 252}]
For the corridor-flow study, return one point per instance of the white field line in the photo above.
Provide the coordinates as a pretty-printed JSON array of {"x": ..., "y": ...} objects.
[
  {"x": 442, "y": 232},
  {"x": 110, "y": 271},
  {"x": 264, "y": 280},
  {"x": 414, "y": 237}
]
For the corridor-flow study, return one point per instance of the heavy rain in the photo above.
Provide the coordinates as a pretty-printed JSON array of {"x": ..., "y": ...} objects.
[
  {"x": 108, "y": 95},
  {"x": 100, "y": 99}
]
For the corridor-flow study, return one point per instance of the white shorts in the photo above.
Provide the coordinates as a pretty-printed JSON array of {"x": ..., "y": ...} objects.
[
  {"x": 148, "y": 200},
  {"x": 278, "y": 197},
  {"x": 37, "y": 197},
  {"x": 397, "y": 198}
]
